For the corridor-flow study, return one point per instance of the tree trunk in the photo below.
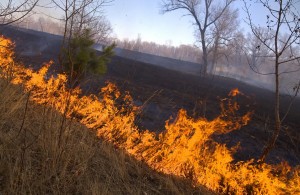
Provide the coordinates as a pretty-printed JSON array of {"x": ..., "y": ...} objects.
[
  {"x": 215, "y": 53},
  {"x": 271, "y": 143},
  {"x": 204, "y": 55}
]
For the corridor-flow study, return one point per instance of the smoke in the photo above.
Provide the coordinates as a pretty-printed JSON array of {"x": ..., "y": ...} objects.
[
  {"x": 169, "y": 63},
  {"x": 234, "y": 64},
  {"x": 237, "y": 67}
]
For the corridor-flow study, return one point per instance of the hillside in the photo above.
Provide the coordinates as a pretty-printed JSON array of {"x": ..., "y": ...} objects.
[
  {"x": 211, "y": 133},
  {"x": 33, "y": 162},
  {"x": 162, "y": 92}
]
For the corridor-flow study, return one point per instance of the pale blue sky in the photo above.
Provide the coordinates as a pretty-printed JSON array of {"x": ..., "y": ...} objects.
[
  {"x": 129, "y": 18},
  {"x": 132, "y": 17}
]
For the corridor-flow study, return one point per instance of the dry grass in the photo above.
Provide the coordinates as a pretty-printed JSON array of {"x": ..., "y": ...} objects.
[{"x": 32, "y": 161}]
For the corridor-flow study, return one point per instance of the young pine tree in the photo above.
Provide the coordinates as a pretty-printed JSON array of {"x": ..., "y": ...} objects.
[{"x": 81, "y": 59}]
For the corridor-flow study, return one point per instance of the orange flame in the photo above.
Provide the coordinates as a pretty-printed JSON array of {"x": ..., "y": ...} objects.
[
  {"x": 185, "y": 148},
  {"x": 234, "y": 92}
]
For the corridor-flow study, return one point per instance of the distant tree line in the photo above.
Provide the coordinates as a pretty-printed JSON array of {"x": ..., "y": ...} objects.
[
  {"x": 41, "y": 23},
  {"x": 181, "y": 52}
]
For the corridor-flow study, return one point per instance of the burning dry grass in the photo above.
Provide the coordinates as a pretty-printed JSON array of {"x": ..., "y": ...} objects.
[
  {"x": 42, "y": 152},
  {"x": 185, "y": 149}
]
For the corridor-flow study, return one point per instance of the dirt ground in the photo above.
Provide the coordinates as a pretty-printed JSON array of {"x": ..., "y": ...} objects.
[{"x": 162, "y": 92}]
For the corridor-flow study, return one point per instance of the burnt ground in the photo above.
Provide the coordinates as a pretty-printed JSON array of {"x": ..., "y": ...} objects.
[{"x": 162, "y": 92}]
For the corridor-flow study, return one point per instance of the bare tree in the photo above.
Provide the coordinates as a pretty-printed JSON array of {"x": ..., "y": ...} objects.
[
  {"x": 205, "y": 14},
  {"x": 102, "y": 29},
  {"x": 138, "y": 43},
  {"x": 258, "y": 55},
  {"x": 224, "y": 31},
  {"x": 281, "y": 38},
  {"x": 80, "y": 16},
  {"x": 11, "y": 12}
]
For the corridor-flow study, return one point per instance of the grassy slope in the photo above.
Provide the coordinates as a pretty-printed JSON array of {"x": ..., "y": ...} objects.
[
  {"x": 32, "y": 161},
  {"x": 162, "y": 96}
]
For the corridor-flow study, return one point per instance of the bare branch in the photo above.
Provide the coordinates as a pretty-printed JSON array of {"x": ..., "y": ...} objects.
[
  {"x": 284, "y": 20},
  {"x": 13, "y": 12},
  {"x": 296, "y": 92},
  {"x": 205, "y": 13}
]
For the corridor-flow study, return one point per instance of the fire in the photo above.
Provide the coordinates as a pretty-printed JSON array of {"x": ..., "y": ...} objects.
[
  {"x": 234, "y": 92},
  {"x": 185, "y": 149}
]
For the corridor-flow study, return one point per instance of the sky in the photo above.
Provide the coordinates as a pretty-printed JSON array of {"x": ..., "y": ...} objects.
[
  {"x": 130, "y": 18},
  {"x": 133, "y": 18}
]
